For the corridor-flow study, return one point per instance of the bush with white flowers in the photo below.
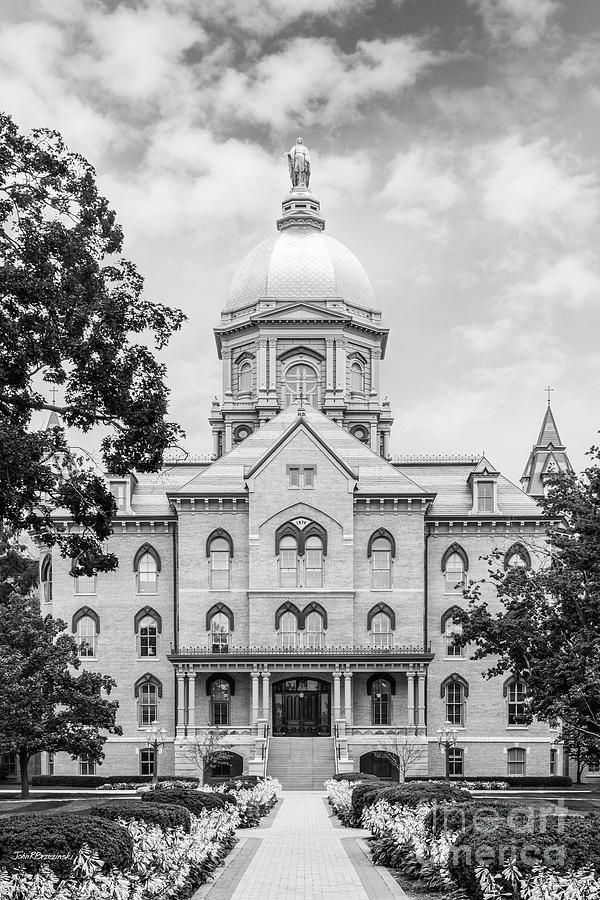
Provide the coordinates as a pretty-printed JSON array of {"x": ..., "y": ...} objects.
[{"x": 253, "y": 800}]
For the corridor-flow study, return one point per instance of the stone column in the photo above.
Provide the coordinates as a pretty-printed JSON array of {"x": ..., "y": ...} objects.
[
  {"x": 421, "y": 697},
  {"x": 410, "y": 680},
  {"x": 336, "y": 696},
  {"x": 386, "y": 443},
  {"x": 215, "y": 443},
  {"x": 228, "y": 437},
  {"x": 375, "y": 357},
  {"x": 226, "y": 371},
  {"x": 374, "y": 438},
  {"x": 272, "y": 364},
  {"x": 266, "y": 695},
  {"x": 180, "y": 703},
  {"x": 348, "y": 697},
  {"x": 340, "y": 367},
  {"x": 255, "y": 702},
  {"x": 329, "y": 364},
  {"x": 262, "y": 364},
  {"x": 191, "y": 702}
]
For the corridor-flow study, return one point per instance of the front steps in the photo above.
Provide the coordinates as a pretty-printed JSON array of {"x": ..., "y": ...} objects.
[{"x": 301, "y": 763}]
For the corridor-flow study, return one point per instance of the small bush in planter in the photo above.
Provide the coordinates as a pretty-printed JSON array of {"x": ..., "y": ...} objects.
[
  {"x": 153, "y": 813},
  {"x": 39, "y": 838},
  {"x": 194, "y": 801}
]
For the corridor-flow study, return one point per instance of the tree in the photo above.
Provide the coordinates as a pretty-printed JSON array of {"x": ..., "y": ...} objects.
[
  {"x": 548, "y": 628},
  {"x": 401, "y": 751},
  {"x": 206, "y": 749},
  {"x": 43, "y": 704},
  {"x": 71, "y": 308}
]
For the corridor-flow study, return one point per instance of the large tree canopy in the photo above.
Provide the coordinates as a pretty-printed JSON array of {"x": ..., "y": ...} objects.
[
  {"x": 548, "y": 628},
  {"x": 72, "y": 308}
]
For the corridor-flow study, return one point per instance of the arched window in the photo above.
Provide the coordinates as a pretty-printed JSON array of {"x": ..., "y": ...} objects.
[
  {"x": 515, "y": 757},
  {"x": 46, "y": 578},
  {"x": 517, "y": 557},
  {"x": 357, "y": 378},
  {"x": 147, "y": 574},
  {"x": 219, "y": 632},
  {"x": 381, "y": 564},
  {"x": 455, "y": 689},
  {"x": 515, "y": 691},
  {"x": 220, "y": 702},
  {"x": 314, "y": 638},
  {"x": 313, "y": 562},
  {"x": 85, "y": 584},
  {"x": 148, "y": 690},
  {"x": 227, "y": 765},
  {"x": 244, "y": 378},
  {"x": 381, "y": 702},
  {"x": 301, "y": 381},
  {"x": 220, "y": 556},
  {"x": 381, "y": 631},
  {"x": 148, "y": 637},
  {"x": 450, "y": 629},
  {"x": 288, "y": 562},
  {"x": 87, "y": 637},
  {"x": 454, "y": 574},
  {"x": 288, "y": 631}
]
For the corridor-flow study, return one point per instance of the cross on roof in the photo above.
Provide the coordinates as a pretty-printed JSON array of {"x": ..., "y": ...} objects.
[
  {"x": 549, "y": 390},
  {"x": 53, "y": 390}
]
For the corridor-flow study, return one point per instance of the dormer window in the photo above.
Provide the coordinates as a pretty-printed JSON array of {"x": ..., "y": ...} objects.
[
  {"x": 119, "y": 491},
  {"x": 485, "y": 496}
]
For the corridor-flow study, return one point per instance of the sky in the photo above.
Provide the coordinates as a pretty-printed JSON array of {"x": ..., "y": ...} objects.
[{"x": 454, "y": 148}]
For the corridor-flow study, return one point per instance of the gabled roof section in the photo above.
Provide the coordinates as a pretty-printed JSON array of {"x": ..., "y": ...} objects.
[
  {"x": 485, "y": 468},
  {"x": 228, "y": 474},
  {"x": 300, "y": 311}
]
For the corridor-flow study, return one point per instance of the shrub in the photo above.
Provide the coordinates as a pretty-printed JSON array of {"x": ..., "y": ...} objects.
[
  {"x": 415, "y": 792},
  {"x": 561, "y": 843},
  {"x": 514, "y": 781},
  {"x": 93, "y": 781},
  {"x": 355, "y": 776},
  {"x": 155, "y": 814},
  {"x": 63, "y": 835},
  {"x": 359, "y": 794},
  {"x": 194, "y": 801},
  {"x": 479, "y": 812}
]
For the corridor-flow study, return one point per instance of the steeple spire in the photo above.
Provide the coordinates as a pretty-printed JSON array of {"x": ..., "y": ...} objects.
[{"x": 548, "y": 456}]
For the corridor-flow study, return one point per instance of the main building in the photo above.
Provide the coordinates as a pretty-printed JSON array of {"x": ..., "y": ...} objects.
[{"x": 297, "y": 588}]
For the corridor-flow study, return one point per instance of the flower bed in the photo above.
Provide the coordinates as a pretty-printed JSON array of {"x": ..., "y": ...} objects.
[
  {"x": 254, "y": 797},
  {"x": 475, "y": 848}
]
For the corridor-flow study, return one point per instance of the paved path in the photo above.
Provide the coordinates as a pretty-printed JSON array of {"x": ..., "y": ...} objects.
[{"x": 301, "y": 856}]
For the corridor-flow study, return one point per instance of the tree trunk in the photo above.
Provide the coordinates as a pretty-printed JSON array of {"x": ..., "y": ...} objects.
[{"x": 23, "y": 762}]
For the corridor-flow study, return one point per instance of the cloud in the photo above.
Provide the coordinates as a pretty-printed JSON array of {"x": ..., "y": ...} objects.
[
  {"x": 571, "y": 281},
  {"x": 312, "y": 81},
  {"x": 421, "y": 188},
  {"x": 535, "y": 186},
  {"x": 266, "y": 17},
  {"x": 522, "y": 22}
]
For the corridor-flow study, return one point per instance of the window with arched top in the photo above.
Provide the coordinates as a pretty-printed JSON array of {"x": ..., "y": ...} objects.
[
  {"x": 147, "y": 574},
  {"x": 244, "y": 378},
  {"x": 454, "y": 574},
  {"x": 301, "y": 381},
  {"x": 515, "y": 692},
  {"x": 313, "y": 562},
  {"x": 85, "y": 584},
  {"x": 517, "y": 556},
  {"x": 381, "y": 702},
  {"x": 314, "y": 637},
  {"x": 381, "y": 631},
  {"x": 450, "y": 631},
  {"x": 87, "y": 637},
  {"x": 287, "y": 633},
  {"x": 148, "y": 691},
  {"x": 148, "y": 637},
  {"x": 357, "y": 378},
  {"x": 455, "y": 690},
  {"x": 288, "y": 562},
  {"x": 219, "y": 564},
  {"x": 381, "y": 563},
  {"x": 46, "y": 579},
  {"x": 219, "y": 632},
  {"x": 220, "y": 701}
]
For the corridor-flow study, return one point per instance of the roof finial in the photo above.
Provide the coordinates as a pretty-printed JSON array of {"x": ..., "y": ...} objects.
[
  {"x": 299, "y": 165},
  {"x": 549, "y": 390},
  {"x": 53, "y": 390}
]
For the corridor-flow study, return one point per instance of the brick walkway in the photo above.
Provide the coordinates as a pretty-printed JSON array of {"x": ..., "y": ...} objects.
[{"x": 301, "y": 856}]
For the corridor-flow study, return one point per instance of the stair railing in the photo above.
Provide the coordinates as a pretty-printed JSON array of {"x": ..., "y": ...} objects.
[
  {"x": 265, "y": 751},
  {"x": 336, "y": 749}
]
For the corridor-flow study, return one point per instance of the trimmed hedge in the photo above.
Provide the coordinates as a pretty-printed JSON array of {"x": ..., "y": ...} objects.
[
  {"x": 93, "y": 781},
  {"x": 61, "y": 835},
  {"x": 194, "y": 801},
  {"x": 479, "y": 813},
  {"x": 561, "y": 843},
  {"x": 359, "y": 797},
  {"x": 415, "y": 792},
  {"x": 514, "y": 781},
  {"x": 355, "y": 776},
  {"x": 243, "y": 782},
  {"x": 160, "y": 814}
]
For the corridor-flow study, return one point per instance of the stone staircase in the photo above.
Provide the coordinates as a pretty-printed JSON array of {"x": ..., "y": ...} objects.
[{"x": 301, "y": 763}]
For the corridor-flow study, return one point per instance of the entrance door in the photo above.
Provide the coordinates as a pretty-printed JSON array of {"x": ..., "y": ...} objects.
[{"x": 301, "y": 707}]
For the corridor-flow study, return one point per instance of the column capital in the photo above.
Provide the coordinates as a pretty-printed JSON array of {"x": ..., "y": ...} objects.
[{"x": 348, "y": 674}]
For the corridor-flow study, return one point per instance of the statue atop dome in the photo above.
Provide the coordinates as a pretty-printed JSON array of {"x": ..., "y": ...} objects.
[{"x": 299, "y": 165}]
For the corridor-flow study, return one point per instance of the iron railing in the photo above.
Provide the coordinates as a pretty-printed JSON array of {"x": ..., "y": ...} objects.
[{"x": 275, "y": 650}]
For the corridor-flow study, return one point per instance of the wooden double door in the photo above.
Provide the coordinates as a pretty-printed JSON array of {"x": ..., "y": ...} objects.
[{"x": 302, "y": 707}]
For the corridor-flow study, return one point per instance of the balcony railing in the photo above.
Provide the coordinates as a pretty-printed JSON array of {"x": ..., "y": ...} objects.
[{"x": 311, "y": 650}]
